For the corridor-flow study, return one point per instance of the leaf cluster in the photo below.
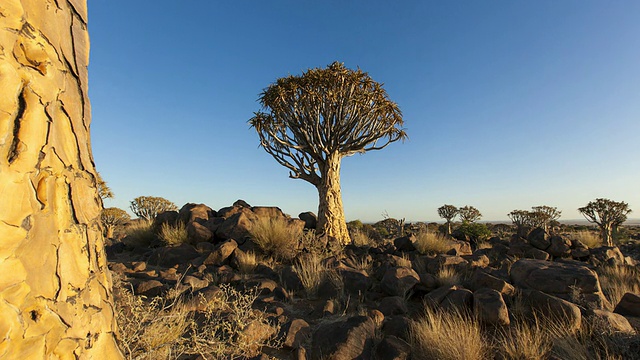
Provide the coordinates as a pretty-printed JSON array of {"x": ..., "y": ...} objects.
[{"x": 325, "y": 112}]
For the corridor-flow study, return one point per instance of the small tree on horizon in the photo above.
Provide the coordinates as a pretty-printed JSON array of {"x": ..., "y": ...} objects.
[
  {"x": 448, "y": 212},
  {"x": 309, "y": 122},
  {"x": 522, "y": 220},
  {"x": 543, "y": 215},
  {"x": 148, "y": 207},
  {"x": 469, "y": 214},
  {"x": 607, "y": 214}
]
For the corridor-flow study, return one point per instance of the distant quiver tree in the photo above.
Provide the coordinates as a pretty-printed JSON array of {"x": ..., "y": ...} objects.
[
  {"x": 148, "y": 207},
  {"x": 448, "y": 212},
  {"x": 607, "y": 214},
  {"x": 308, "y": 123},
  {"x": 543, "y": 215},
  {"x": 469, "y": 214},
  {"x": 111, "y": 218}
]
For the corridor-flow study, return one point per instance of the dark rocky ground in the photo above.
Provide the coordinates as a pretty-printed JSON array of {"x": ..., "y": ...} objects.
[{"x": 369, "y": 294}]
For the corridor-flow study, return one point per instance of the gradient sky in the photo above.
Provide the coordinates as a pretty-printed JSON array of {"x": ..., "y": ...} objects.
[{"x": 507, "y": 104}]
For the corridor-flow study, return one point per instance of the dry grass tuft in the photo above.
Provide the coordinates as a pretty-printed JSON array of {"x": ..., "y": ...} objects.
[
  {"x": 447, "y": 336},
  {"x": 448, "y": 276},
  {"x": 588, "y": 238},
  {"x": 247, "y": 261},
  {"x": 432, "y": 243},
  {"x": 617, "y": 281},
  {"x": 172, "y": 235},
  {"x": 524, "y": 341},
  {"x": 361, "y": 239},
  {"x": 162, "y": 328},
  {"x": 277, "y": 237},
  {"x": 312, "y": 273},
  {"x": 140, "y": 234}
]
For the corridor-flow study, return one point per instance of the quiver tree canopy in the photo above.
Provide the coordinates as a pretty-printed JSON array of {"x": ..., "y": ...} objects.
[{"x": 308, "y": 123}]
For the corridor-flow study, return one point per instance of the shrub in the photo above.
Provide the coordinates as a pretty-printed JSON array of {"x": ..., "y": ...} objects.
[
  {"x": 447, "y": 336},
  {"x": 276, "y": 237},
  {"x": 475, "y": 231},
  {"x": 524, "y": 341},
  {"x": 172, "y": 235},
  {"x": 360, "y": 238},
  {"x": 432, "y": 243},
  {"x": 246, "y": 261},
  {"x": 311, "y": 272}
]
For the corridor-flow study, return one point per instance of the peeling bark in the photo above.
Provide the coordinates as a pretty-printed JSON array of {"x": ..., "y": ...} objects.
[
  {"x": 55, "y": 287},
  {"x": 331, "y": 220}
]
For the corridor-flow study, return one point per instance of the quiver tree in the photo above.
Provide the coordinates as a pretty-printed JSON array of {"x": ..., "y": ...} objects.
[
  {"x": 448, "y": 212},
  {"x": 607, "y": 214},
  {"x": 148, "y": 207},
  {"x": 55, "y": 286},
  {"x": 522, "y": 220},
  {"x": 309, "y": 122},
  {"x": 111, "y": 218},
  {"x": 104, "y": 191},
  {"x": 469, "y": 214},
  {"x": 543, "y": 215}
]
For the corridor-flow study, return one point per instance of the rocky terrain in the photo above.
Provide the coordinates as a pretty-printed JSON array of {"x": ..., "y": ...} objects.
[{"x": 221, "y": 292}]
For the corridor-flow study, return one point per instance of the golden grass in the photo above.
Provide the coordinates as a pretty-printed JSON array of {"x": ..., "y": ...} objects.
[
  {"x": 588, "y": 238},
  {"x": 524, "y": 341},
  {"x": 311, "y": 272},
  {"x": 247, "y": 261},
  {"x": 277, "y": 237},
  {"x": 447, "y": 336},
  {"x": 617, "y": 281},
  {"x": 163, "y": 328},
  {"x": 172, "y": 235},
  {"x": 431, "y": 243},
  {"x": 448, "y": 276},
  {"x": 140, "y": 233},
  {"x": 360, "y": 238}
]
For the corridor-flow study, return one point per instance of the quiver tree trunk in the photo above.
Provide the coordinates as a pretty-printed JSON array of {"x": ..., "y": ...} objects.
[
  {"x": 331, "y": 220},
  {"x": 55, "y": 287}
]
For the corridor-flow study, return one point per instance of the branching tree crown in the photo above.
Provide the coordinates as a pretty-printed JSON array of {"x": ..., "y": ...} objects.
[
  {"x": 148, "y": 207},
  {"x": 542, "y": 216},
  {"x": 112, "y": 217},
  {"x": 308, "y": 123},
  {"x": 448, "y": 212},
  {"x": 607, "y": 214},
  {"x": 104, "y": 191},
  {"x": 469, "y": 214}
]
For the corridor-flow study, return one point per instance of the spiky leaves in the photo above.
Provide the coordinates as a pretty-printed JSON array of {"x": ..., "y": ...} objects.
[{"x": 309, "y": 122}]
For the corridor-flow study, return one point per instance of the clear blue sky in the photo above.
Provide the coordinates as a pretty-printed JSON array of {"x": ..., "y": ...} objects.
[{"x": 507, "y": 104}]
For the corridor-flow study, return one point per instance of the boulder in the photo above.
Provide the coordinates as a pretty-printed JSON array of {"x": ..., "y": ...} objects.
[
  {"x": 171, "y": 256},
  {"x": 198, "y": 233},
  {"x": 490, "y": 308},
  {"x": 222, "y": 252},
  {"x": 629, "y": 305},
  {"x": 609, "y": 255},
  {"x": 397, "y": 326},
  {"x": 539, "y": 239},
  {"x": 393, "y": 348},
  {"x": 344, "y": 340},
  {"x": 481, "y": 279},
  {"x": 524, "y": 250},
  {"x": 165, "y": 217},
  {"x": 560, "y": 247},
  {"x": 310, "y": 220},
  {"x": 460, "y": 300},
  {"x": 555, "y": 309},
  {"x": 612, "y": 321},
  {"x": 405, "y": 243},
  {"x": 195, "y": 213},
  {"x": 398, "y": 281},
  {"x": 294, "y": 333},
  {"x": 356, "y": 282},
  {"x": 393, "y": 305},
  {"x": 237, "y": 226},
  {"x": 565, "y": 280}
]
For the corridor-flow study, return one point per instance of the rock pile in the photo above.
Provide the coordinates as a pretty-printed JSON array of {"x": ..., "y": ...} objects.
[{"x": 363, "y": 310}]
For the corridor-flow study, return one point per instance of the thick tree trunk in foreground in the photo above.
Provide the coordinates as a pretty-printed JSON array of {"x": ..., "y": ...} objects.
[
  {"x": 55, "y": 288},
  {"x": 331, "y": 221}
]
